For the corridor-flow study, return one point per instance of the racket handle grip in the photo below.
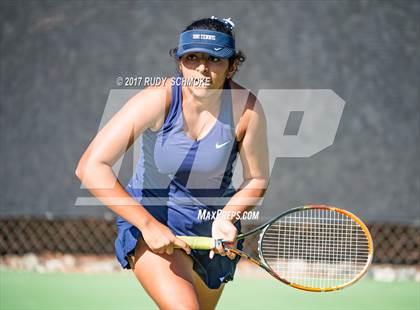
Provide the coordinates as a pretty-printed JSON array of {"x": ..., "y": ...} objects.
[{"x": 198, "y": 243}]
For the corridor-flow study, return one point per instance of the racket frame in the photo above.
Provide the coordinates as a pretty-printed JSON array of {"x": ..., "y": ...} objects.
[
  {"x": 263, "y": 263},
  {"x": 266, "y": 266}
]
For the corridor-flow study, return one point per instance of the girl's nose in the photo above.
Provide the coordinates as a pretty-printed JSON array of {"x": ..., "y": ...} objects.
[{"x": 203, "y": 66}]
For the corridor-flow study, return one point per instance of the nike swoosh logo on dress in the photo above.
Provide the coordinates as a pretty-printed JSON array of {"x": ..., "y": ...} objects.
[{"x": 218, "y": 146}]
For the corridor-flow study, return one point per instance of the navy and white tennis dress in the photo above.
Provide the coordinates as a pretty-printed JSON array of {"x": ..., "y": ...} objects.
[{"x": 176, "y": 177}]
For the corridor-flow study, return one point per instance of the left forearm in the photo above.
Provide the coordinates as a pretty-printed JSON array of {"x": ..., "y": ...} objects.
[{"x": 246, "y": 198}]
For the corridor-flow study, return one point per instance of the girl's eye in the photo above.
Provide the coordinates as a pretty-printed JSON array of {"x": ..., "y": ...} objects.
[{"x": 214, "y": 59}]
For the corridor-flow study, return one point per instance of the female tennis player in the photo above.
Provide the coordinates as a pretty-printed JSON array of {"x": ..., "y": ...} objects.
[{"x": 191, "y": 130}]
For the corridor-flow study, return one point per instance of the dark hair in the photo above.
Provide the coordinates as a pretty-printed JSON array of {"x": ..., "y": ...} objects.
[{"x": 216, "y": 25}]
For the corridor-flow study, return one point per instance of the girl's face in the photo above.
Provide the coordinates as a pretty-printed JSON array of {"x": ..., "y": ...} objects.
[{"x": 209, "y": 70}]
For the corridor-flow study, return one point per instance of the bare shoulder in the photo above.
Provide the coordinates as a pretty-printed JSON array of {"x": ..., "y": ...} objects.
[
  {"x": 150, "y": 105},
  {"x": 246, "y": 108},
  {"x": 165, "y": 98},
  {"x": 244, "y": 101}
]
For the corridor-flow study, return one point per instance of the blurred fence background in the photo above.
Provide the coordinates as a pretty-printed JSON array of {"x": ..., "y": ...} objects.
[
  {"x": 59, "y": 61},
  {"x": 394, "y": 243}
]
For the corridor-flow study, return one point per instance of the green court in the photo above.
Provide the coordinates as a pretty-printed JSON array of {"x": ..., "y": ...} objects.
[{"x": 27, "y": 290}]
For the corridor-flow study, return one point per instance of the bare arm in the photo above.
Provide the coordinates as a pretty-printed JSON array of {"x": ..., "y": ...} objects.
[
  {"x": 146, "y": 110},
  {"x": 254, "y": 157},
  {"x": 255, "y": 163}
]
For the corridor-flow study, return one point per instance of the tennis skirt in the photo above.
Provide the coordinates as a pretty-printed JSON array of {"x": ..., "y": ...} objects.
[{"x": 213, "y": 272}]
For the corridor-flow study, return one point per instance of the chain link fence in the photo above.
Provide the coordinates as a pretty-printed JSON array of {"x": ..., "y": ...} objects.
[{"x": 393, "y": 243}]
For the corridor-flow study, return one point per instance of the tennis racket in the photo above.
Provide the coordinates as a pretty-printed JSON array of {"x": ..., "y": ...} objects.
[{"x": 315, "y": 248}]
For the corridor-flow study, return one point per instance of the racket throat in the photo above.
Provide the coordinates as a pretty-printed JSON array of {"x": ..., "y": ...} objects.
[{"x": 245, "y": 255}]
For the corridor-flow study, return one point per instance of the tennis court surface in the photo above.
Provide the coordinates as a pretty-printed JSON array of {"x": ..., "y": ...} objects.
[{"x": 29, "y": 290}]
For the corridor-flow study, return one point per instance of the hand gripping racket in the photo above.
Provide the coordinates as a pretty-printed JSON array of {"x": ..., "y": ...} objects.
[{"x": 315, "y": 248}]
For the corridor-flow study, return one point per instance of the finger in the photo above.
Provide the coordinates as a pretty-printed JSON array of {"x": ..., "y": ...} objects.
[
  {"x": 154, "y": 250},
  {"x": 169, "y": 250},
  {"x": 230, "y": 254},
  {"x": 231, "y": 237},
  {"x": 230, "y": 244},
  {"x": 221, "y": 250},
  {"x": 211, "y": 254},
  {"x": 182, "y": 245}
]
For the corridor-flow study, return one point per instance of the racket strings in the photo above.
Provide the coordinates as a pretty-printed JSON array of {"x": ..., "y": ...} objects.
[{"x": 316, "y": 248}]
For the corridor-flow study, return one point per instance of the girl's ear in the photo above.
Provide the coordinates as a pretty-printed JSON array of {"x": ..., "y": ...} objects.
[
  {"x": 179, "y": 68},
  {"x": 232, "y": 69}
]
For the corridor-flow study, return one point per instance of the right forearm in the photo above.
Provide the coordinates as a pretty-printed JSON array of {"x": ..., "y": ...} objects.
[{"x": 100, "y": 180}]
